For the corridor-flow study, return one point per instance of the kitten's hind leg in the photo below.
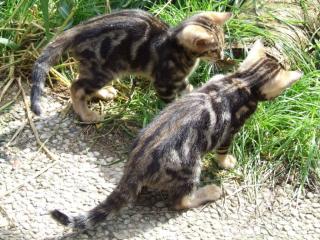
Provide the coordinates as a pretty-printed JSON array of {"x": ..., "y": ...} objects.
[
  {"x": 90, "y": 82},
  {"x": 80, "y": 92},
  {"x": 201, "y": 196},
  {"x": 79, "y": 95}
]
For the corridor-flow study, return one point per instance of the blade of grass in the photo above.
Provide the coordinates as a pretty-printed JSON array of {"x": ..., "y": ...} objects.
[{"x": 45, "y": 11}]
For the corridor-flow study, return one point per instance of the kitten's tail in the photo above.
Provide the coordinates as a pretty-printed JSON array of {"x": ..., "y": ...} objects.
[
  {"x": 114, "y": 202},
  {"x": 49, "y": 56}
]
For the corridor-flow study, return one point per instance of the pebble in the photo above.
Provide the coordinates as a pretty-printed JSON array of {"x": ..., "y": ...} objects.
[
  {"x": 316, "y": 205},
  {"x": 96, "y": 154},
  {"x": 309, "y": 195},
  {"x": 109, "y": 159},
  {"x": 160, "y": 204},
  {"x": 294, "y": 212},
  {"x": 121, "y": 235}
]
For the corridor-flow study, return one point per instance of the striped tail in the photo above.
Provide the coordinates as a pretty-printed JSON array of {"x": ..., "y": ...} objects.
[
  {"x": 48, "y": 57},
  {"x": 114, "y": 202}
]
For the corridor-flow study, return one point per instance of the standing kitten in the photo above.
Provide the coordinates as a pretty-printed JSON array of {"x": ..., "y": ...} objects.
[
  {"x": 131, "y": 42},
  {"x": 167, "y": 153}
]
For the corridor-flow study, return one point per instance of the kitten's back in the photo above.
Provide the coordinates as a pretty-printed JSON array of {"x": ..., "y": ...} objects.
[{"x": 78, "y": 38}]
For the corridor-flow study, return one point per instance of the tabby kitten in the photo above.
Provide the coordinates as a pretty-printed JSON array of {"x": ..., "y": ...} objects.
[
  {"x": 167, "y": 153},
  {"x": 131, "y": 42}
]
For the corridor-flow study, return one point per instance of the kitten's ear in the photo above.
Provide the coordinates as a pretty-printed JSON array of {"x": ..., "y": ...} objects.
[
  {"x": 282, "y": 81},
  {"x": 293, "y": 76},
  {"x": 257, "y": 52},
  {"x": 202, "y": 43},
  {"x": 195, "y": 38},
  {"x": 219, "y": 17}
]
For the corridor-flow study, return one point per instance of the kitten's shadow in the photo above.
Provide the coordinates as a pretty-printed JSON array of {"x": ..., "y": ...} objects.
[
  {"x": 150, "y": 210},
  {"x": 78, "y": 150}
]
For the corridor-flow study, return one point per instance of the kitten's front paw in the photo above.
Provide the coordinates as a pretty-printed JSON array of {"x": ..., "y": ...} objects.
[
  {"x": 91, "y": 117},
  {"x": 187, "y": 90},
  {"x": 106, "y": 93},
  {"x": 226, "y": 161}
]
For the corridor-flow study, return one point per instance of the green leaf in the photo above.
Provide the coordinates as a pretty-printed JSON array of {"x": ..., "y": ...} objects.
[
  {"x": 45, "y": 11},
  {"x": 65, "y": 9}
]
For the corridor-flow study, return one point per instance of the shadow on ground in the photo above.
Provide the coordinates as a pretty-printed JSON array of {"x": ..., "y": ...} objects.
[{"x": 86, "y": 171}]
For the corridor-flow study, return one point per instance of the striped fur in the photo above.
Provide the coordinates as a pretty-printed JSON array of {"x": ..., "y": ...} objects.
[
  {"x": 131, "y": 42},
  {"x": 167, "y": 153}
]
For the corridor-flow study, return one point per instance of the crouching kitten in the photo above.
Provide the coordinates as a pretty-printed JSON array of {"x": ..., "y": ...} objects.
[{"x": 167, "y": 153}]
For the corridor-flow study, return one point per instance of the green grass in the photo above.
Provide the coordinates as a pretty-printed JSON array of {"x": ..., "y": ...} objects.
[{"x": 281, "y": 142}]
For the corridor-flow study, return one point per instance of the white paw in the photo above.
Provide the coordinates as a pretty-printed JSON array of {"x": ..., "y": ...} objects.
[
  {"x": 91, "y": 117},
  {"x": 106, "y": 93},
  {"x": 226, "y": 161},
  {"x": 217, "y": 77},
  {"x": 187, "y": 90}
]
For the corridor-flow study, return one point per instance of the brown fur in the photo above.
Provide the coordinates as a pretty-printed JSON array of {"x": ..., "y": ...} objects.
[
  {"x": 167, "y": 153},
  {"x": 131, "y": 42}
]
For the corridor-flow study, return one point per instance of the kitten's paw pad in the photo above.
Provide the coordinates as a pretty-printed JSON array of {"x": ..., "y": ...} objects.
[
  {"x": 227, "y": 162},
  {"x": 209, "y": 193},
  {"x": 92, "y": 117},
  {"x": 106, "y": 93}
]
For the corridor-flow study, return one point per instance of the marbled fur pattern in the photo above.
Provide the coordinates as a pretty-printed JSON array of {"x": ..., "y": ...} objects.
[
  {"x": 167, "y": 154},
  {"x": 131, "y": 42}
]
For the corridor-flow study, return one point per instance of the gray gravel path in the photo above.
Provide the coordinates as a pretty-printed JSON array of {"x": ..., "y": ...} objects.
[{"x": 82, "y": 177}]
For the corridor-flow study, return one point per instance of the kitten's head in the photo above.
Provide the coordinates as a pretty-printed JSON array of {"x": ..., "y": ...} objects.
[
  {"x": 203, "y": 34},
  {"x": 271, "y": 79}
]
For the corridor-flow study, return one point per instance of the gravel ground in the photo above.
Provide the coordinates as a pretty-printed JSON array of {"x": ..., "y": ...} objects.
[{"x": 82, "y": 176}]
